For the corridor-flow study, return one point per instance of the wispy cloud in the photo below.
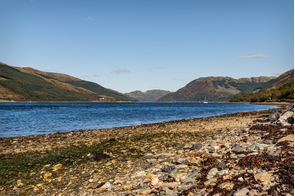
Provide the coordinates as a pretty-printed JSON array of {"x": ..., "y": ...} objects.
[
  {"x": 179, "y": 79},
  {"x": 120, "y": 71},
  {"x": 278, "y": 73},
  {"x": 254, "y": 56},
  {"x": 89, "y": 18},
  {"x": 278, "y": 55},
  {"x": 89, "y": 76}
]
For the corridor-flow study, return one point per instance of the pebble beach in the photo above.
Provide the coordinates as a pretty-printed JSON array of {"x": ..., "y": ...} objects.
[{"x": 239, "y": 154}]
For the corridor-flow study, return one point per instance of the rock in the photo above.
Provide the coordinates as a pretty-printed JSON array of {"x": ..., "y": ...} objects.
[
  {"x": 211, "y": 149},
  {"x": 193, "y": 174},
  {"x": 285, "y": 116},
  {"x": 46, "y": 175},
  {"x": 161, "y": 156},
  {"x": 287, "y": 138},
  {"x": 213, "y": 171},
  {"x": 155, "y": 181},
  {"x": 261, "y": 146},
  {"x": 221, "y": 165},
  {"x": 167, "y": 168},
  {"x": 149, "y": 156},
  {"x": 253, "y": 192},
  {"x": 85, "y": 174},
  {"x": 57, "y": 167},
  {"x": 263, "y": 176},
  {"x": 210, "y": 181},
  {"x": 272, "y": 153},
  {"x": 196, "y": 162},
  {"x": 171, "y": 185},
  {"x": 242, "y": 192},
  {"x": 139, "y": 174},
  {"x": 226, "y": 185},
  {"x": 120, "y": 159},
  {"x": 273, "y": 116},
  {"x": 197, "y": 146},
  {"x": 237, "y": 149}
]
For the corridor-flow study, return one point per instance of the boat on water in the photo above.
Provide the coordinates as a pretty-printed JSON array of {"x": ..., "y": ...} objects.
[{"x": 205, "y": 100}]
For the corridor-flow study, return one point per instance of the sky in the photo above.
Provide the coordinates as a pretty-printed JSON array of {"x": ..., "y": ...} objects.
[{"x": 129, "y": 45}]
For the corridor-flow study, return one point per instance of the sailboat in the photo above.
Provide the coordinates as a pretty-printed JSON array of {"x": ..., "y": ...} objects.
[{"x": 205, "y": 100}]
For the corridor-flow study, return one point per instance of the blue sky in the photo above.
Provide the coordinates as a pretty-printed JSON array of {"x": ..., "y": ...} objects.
[{"x": 129, "y": 45}]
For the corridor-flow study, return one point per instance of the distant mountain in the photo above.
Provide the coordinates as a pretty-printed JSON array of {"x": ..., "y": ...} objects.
[
  {"x": 23, "y": 84},
  {"x": 215, "y": 88},
  {"x": 148, "y": 96},
  {"x": 276, "y": 90}
]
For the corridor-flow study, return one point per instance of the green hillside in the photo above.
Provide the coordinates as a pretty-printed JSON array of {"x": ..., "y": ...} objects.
[
  {"x": 215, "y": 89},
  {"x": 275, "y": 90},
  {"x": 31, "y": 87},
  {"x": 100, "y": 90}
]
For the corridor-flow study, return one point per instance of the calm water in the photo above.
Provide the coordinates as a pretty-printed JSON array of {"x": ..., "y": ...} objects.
[{"x": 24, "y": 119}]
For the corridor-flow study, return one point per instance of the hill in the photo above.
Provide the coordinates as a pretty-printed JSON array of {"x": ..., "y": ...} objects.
[
  {"x": 148, "y": 96},
  {"x": 215, "y": 88},
  {"x": 23, "y": 84},
  {"x": 280, "y": 89}
]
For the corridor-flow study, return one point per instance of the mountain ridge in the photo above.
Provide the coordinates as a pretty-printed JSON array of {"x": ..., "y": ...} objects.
[
  {"x": 23, "y": 84},
  {"x": 148, "y": 96},
  {"x": 214, "y": 88}
]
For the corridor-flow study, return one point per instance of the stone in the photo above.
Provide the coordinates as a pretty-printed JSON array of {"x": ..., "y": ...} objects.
[
  {"x": 242, "y": 192},
  {"x": 238, "y": 149},
  {"x": 285, "y": 116},
  {"x": 46, "y": 175},
  {"x": 253, "y": 192},
  {"x": 221, "y": 165},
  {"x": 287, "y": 138},
  {"x": 226, "y": 185},
  {"x": 273, "y": 116},
  {"x": 193, "y": 174},
  {"x": 263, "y": 176},
  {"x": 197, "y": 146},
  {"x": 154, "y": 181},
  {"x": 210, "y": 181},
  {"x": 260, "y": 146},
  {"x": 120, "y": 159},
  {"x": 213, "y": 171},
  {"x": 196, "y": 162},
  {"x": 171, "y": 185},
  {"x": 167, "y": 168},
  {"x": 57, "y": 167},
  {"x": 272, "y": 153},
  {"x": 85, "y": 174}
]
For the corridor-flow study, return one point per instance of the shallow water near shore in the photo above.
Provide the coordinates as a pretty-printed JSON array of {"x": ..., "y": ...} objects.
[{"x": 24, "y": 119}]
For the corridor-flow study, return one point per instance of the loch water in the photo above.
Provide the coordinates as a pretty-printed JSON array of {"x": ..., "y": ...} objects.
[{"x": 24, "y": 119}]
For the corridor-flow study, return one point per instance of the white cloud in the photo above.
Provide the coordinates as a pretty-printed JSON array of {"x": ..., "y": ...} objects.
[
  {"x": 120, "y": 71},
  {"x": 253, "y": 56},
  {"x": 89, "y": 18}
]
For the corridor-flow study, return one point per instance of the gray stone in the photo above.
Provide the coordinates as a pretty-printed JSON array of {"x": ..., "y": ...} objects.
[
  {"x": 161, "y": 156},
  {"x": 85, "y": 174},
  {"x": 211, "y": 149},
  {"x": 197, "y": 146},
  {"x": 120, "y": 159},
  {"x": 193, "y": 174},
  {"x": 272, "y": 153},
  {"x": 213, "y": 171},
  {"x": 167, "y": 168},
  {"x": 261, "y": 146},
  {"x": 242, "y": 192},
  {"x": 273, "y": 116},
  {"x": 238, "y": 149},
  {"x": 221, "y": 165}
]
